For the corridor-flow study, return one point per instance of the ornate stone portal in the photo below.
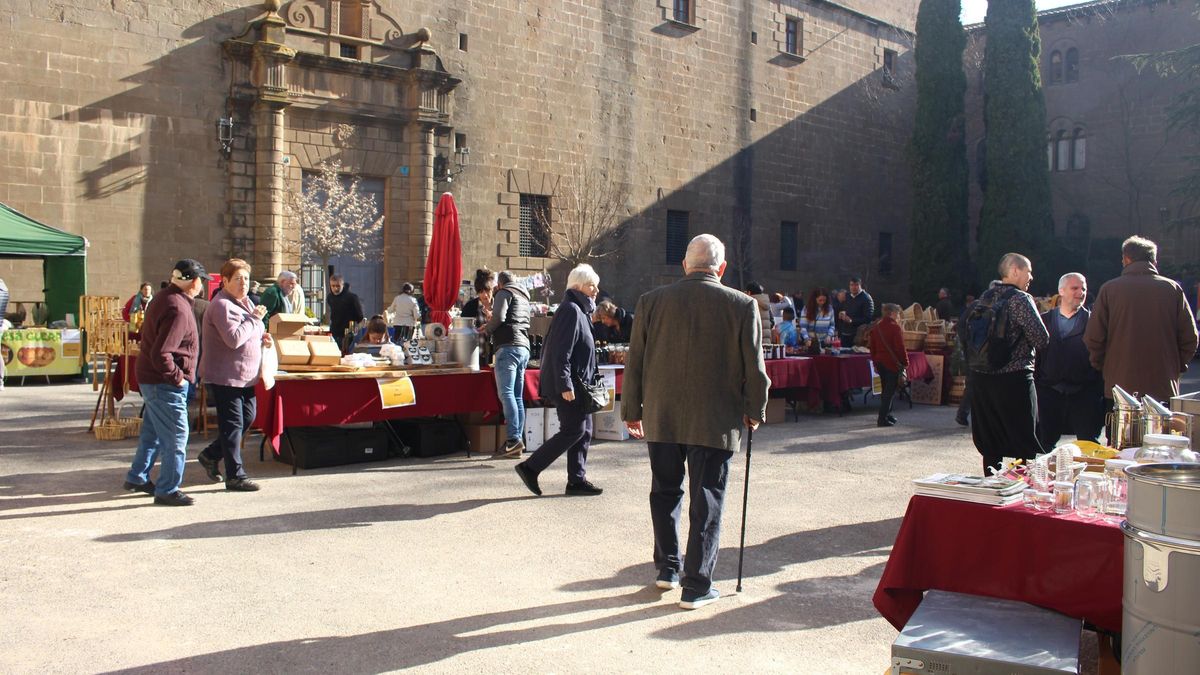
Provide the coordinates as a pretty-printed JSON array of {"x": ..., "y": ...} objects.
[{"x": 302, "y": 74}]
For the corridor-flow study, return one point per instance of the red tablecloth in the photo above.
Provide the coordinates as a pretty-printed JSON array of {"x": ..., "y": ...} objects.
[
  {"x": 828, "y": 377},
  {"x": 126, "y": 368},
  {"x": 533, "y": 387},
  {"x": 331, "y": 402},
  {"x": 1063, "y": 563}
]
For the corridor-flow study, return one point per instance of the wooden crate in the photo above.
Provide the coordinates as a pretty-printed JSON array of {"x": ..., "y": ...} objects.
[{"x": 930, "y": 393}]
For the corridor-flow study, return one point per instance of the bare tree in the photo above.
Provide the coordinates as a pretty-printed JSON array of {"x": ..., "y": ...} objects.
[
  {"x": 336, "y": 218},
  {"x": 583, "y": 219}
]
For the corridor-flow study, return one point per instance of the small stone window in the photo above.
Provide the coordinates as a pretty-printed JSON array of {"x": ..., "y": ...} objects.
[
  {"x": 1072, "y": 65},
  {"x": 791, "y": 36},
  {"x": 1056, "y": 67},
  {"x": 677, "y": 236},
  {"x": 1078, "y": 150},
  {"x": 684, "y": 11},
  {"x": 889, "y": 62},
  {"x": 885, "y": 253},
  {"x": 348, "y": 51},
  {"x": 789, "y": 242},
  {"x": 462, "y": 42}
]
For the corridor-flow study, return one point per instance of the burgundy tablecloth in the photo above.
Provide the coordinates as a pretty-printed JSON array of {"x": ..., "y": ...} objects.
[
  {"x": 832, "y": 376},
  {"x": 1063, "y": 563}
]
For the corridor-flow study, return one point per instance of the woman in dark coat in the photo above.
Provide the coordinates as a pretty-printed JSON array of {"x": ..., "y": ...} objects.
[{"x": 568, "y": 357}]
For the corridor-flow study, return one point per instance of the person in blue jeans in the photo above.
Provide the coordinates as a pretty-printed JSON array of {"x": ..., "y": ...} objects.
[
  {"x": 167, "y": 364},
  {"x": 509, "y": 332}
]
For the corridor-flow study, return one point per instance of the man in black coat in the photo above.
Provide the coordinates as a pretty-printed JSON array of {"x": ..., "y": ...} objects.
[
  {"x": 856, "y": 311},
  {"x": 344, "y": 307},
  {"x": 1070, "y": 392}
]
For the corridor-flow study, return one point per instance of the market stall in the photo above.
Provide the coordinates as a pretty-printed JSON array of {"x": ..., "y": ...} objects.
[
  {"x": 63, "y": 256},
  {"x": 40, "y": 350},
  {"x": 1061, "y": 562}
]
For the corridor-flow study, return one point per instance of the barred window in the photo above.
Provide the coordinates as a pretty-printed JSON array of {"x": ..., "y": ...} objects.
[{"x": 535, "y": 226}]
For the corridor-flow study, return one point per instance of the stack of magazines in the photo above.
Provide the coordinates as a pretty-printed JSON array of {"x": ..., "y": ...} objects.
[{"x": 991, "y": 490}]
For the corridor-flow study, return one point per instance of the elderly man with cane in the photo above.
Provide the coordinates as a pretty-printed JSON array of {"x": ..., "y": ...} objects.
[{"x": 693, "y": 380}]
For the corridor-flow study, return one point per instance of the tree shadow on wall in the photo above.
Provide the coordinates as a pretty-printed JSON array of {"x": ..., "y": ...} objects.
[{"x": 153, "y": 128}]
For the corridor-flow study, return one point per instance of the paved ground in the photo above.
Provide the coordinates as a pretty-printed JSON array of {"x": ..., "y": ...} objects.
[{"x": 443, "y": 565}]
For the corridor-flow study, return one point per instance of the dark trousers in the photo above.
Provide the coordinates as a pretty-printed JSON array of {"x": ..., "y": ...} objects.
[
  {"x": 1004, "y": 416},
  {"x": 964, "y": 406},
  {"x": 402, "y": 334},
  {"x": 1080, "y": 413},
  {"x": 891, "y": 381},
  {"x": 709, "y": 470},
  {"x": 235, "y": 413},
  {"x": 574, "y": 437}
]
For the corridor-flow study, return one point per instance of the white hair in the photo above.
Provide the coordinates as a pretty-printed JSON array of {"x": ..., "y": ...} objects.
[
  {"x": 286, "y": 274},
  {"x": 705, "y": 253},
  {"x": 1062, "y": 281},
  {"x": 582, "y": 275}
]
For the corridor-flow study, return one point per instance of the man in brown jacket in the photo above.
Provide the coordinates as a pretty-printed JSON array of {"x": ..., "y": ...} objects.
[
  {"x": 1142, "y": 333},
  {"x": 694, "y": 376}
]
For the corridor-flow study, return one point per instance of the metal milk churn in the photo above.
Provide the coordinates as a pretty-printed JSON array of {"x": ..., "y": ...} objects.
[{"x": 464, "y": 343}]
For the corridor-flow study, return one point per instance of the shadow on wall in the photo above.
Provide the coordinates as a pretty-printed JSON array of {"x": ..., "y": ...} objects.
[
  {"x": 165, "y": 123},
  {"x": 839, "y": 170}
]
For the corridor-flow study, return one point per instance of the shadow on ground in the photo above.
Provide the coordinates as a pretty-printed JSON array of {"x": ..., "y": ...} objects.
[{"x": 331, "y": 519}]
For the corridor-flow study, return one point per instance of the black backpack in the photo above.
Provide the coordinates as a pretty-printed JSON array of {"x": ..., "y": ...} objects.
[{"x": 986, "y": 332}]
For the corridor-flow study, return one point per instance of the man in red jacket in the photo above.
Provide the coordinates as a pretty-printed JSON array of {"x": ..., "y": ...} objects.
[
  {"x": 890, "y": 359},
  {"x": 167, "y": 363}
]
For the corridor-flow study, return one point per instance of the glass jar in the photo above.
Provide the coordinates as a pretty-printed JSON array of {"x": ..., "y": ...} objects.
[
  {"x": 1064, "y": 496},
  {"x": 1118, "y": 485},
  {"x": 1090, "y": 492},
  {"x": 1159, "y": 448}
]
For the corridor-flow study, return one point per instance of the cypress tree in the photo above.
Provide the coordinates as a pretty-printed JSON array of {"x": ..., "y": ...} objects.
[
  {"x": 938, "y": 153},
  {"x": 1016, "y": 213}
]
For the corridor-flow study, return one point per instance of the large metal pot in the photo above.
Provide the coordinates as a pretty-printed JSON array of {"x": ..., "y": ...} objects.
[
  {"x": 1160, "y": 615},
  {"x": 464, "y": 343}
]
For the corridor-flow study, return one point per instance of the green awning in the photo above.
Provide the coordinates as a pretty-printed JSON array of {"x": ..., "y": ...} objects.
[{"x": 22, "y": 236}]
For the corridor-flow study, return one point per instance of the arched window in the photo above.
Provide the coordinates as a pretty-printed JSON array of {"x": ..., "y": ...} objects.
[
  {"x": 1078, "y": 149},
  {"x": 1062, "y": 151},
  {"x": 1072, "y": 68},
  {"x": 1056, "y": 67}
]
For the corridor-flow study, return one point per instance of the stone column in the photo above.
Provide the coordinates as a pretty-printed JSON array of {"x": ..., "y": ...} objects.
[
  {"x": 269, "y": 191},
  {"x": 411, "y": 229}
]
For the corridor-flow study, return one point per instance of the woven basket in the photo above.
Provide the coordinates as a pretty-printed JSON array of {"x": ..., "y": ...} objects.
[
  {"x": 110, "y": 430},
  {"x": 914, "y": 340},
  {"x": 132, "y": 424}
]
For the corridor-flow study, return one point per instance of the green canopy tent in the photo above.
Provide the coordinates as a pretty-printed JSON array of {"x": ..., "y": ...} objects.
[{"x": 64, "y": 259}]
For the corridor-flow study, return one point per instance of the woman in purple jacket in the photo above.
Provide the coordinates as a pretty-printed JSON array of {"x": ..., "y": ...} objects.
[
  {"x": 232, "y": 340},
  {"x": 568, "y": 357}
]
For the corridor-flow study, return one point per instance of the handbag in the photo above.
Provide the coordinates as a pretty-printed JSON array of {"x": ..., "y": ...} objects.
[{"x": 592, "y": 396}]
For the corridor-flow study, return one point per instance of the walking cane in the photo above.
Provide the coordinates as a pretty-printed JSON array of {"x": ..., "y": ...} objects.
[{"x": 745, "y": 499}]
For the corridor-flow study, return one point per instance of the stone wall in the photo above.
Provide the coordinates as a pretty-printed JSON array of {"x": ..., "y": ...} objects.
[
  {"x": 1131, "y": 162},
  {"x": 109, "y": 131}
]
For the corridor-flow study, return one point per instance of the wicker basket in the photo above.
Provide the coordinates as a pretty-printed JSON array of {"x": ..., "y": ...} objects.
[
  {"x": 132, "y": 424},
  {"x": 110, "y": 430},
  {"x": 914, "y": 341}
]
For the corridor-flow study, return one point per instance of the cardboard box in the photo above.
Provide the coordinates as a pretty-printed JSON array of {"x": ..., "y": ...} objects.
[
  {"x": 477, "y": 417},
  {"x": 552, "y": 423},
  {"x": 292, "y": 352},
  {"x": 776, "y": 411},
  {"x": 283, "y": 326},
  {"x": 323, "y": 352},
  {"x": 608, "y": 426},
  {"x": 610, "y": 383},
  {"x": 930, "y": 393},
  {"x": 485, "y": 439},
  {"x": 535, "y": 428}
]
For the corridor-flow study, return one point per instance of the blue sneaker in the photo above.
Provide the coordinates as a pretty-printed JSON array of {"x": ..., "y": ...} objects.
[
  {"x": 667, "y": 579},
  {"x": 691, "y": 600}
]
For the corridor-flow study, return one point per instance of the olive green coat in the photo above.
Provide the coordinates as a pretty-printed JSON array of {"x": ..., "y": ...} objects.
[{"x": 695, "y": 364}]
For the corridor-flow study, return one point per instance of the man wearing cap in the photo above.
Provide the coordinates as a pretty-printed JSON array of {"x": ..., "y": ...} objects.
[{"x": 169, "y": 349}]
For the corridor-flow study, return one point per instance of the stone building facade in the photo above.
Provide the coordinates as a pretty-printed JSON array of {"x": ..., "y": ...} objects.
[
  {"x": 161, "y": 130},
  {"x": 1113, "y": 162}
]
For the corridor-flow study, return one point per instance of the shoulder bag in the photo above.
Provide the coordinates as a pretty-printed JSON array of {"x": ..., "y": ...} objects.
[{"x": 592, "y": 396}]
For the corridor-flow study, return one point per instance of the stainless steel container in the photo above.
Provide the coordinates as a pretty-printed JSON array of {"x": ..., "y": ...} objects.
[
  {"x": 1124, "y": 424},
  {"x": 1161, "y": 616},
  {"x": 464, "y": 343}
]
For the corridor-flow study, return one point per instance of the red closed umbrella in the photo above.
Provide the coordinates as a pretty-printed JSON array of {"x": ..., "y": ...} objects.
[{"x": 443, "y": 267}]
